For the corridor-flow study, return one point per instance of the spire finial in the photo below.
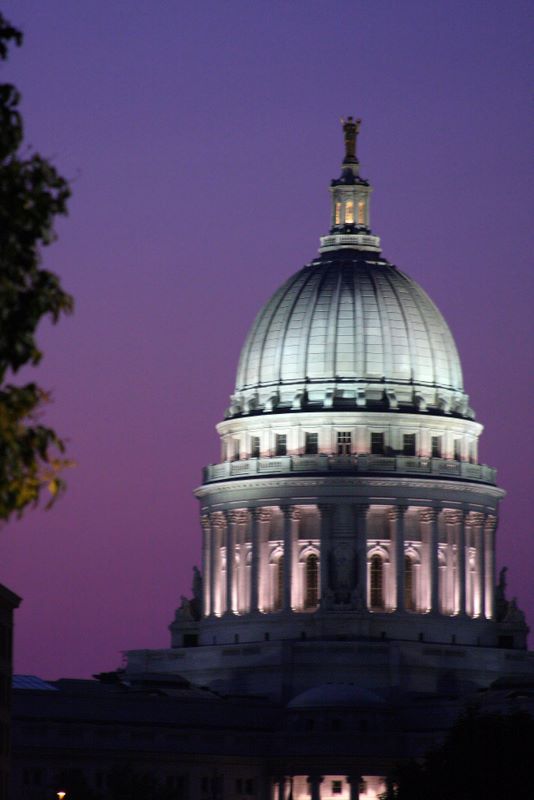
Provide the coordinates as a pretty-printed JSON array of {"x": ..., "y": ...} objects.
[{"x": 351, "y": 128}]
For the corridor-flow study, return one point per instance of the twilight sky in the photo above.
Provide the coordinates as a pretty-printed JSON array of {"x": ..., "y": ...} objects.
[{"x": 200, "y": 139}]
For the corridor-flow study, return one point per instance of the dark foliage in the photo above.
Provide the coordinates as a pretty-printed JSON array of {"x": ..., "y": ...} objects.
[
  {"x": 32, "y": 195},
  {"x": 484, "y": 757}
]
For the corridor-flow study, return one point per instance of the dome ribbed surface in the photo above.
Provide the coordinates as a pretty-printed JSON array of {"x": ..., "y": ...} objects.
[{"x": 347, "y": 319}]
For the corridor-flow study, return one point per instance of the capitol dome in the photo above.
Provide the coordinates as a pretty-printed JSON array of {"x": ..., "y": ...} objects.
[{"x": 350, "y": 330}]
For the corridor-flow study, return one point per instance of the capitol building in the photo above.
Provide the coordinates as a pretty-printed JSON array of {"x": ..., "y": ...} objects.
[{"x": 348, "y": 603}]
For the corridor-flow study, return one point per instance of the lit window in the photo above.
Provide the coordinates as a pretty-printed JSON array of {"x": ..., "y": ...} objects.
[
  {"x": 361, "y": 212},
  {"x": 377, "y": 583},
  {"x": 349, "y": 212},
  {"x": 281, "y": 444},
  {"x": 344, "y": 442},
  {"x": 436, "y": 447},
  {"x": 408, "y": 444},
  {"x": 409, "y": 584},
  {"x": 337, "y": 787},
  {"x": 312, "y": 581},
  {"x": 338, "y": 213},
  {"x": 254, "y": 446},
  {"x": 377, "y": 444},
  {"x": 311, "y": 443}
]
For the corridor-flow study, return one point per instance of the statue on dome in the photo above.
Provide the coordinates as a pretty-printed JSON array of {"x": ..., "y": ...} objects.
[{"x": 351, "y": 128}]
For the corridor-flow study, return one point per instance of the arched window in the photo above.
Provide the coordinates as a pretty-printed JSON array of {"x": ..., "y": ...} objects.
[
  {"x": 377, "y": 582},
  {"x": 409, "y": 584},
  {"x": 312, "y": 581},
  {"x": 349, "y": 212},
  {"x": 278, "y": 584}
]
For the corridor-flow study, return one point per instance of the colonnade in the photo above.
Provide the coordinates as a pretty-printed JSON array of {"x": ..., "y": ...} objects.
[
  {"x": 363, "y": 555},
  {"x": 313, "y": 787}
]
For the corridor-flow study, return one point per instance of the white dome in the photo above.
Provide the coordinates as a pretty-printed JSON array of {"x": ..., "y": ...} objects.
[{"x": 348, "y": 330}]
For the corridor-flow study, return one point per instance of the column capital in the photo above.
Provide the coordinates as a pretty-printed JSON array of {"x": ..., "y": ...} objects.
[
  {"x": 205, "y": 521},
  {"x": 477, "y": 517},
  {"x": 428, "y": 514},
  {"x": 397, "y": 511},
  {"x": 218, "y": 519},
  {"x": 453, "y": 516},
  {"x": 491, "y": 523},
  {"x": 235, "y": 516}
]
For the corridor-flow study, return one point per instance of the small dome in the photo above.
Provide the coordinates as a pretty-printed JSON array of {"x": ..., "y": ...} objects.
[
  {"x": 350, "y": 330},
  {"x": 336, "y": 695}
]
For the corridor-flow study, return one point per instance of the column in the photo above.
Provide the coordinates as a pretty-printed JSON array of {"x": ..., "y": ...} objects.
[
  {"x": 325, "y": 527},
  {"x": 206, "y": 582},
  {"x": 469, "y": 583},
  {"x": 315, "y": 786},
  {"x": 361, "y": 554},
  {"x": 479, "y": 521},
  {"x": 281, "y": 781},
  {"x": 489, "y": 532},
  {"x": 232, "y": 519},
  {"x": 213, "y": 563},
  {"x": 354, "y": 781},
  {"x": 288, "y": 556},
  {"x": 461, "y": 556},
  {"x": 255, "y": 516},
  {"x": 430, "y": 516},
  {"x": 396, "y": 518}
]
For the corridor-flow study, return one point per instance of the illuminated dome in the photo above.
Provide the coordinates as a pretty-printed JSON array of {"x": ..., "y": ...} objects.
[
  {"x": 350, "y": 331},
  {"x": 347, "y": 330}
]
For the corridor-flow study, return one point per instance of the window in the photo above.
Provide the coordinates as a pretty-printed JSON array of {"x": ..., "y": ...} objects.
[
  {"x": 377, "y": 582},
  {"x": 281, "y": 444},
  {"x": 377, "y": 444},
  {"x": 457, "y": 449},
  {"x": 344, "y": 441},
  {"x": 408, "y": 444},
  {"x": 436, "y": 447},
  {"x": 338, "y": 214},
  {"x": 337, "y": 787},
  {"x": 361, "y": 212},
  {"x": 311, "y": 446},
  {"x": 254, "y": 446},
  {"x": 278, "y": 584},
  {"x": 409, "y": 584},
  {"x": 312, "y": 581},
  {"x": 236, "y": 445},
  {"x": 349, "y": 212}
]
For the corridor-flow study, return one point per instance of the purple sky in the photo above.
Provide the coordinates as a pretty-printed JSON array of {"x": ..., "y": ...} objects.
[{"x": 200, "y": 139}]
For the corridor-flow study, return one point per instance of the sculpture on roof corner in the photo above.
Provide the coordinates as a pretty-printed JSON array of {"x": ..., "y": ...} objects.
[{"x": 351, "y": 128}]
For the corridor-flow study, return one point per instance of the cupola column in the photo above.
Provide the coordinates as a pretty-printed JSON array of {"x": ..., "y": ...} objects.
[
  {"x": 479, "y": 524},
  {"x": 206, "y": 571},
  {"x": 361, "y": 510}
]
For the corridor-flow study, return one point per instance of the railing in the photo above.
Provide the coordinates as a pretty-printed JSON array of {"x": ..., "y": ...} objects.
[{"x": 409, "y": 465}]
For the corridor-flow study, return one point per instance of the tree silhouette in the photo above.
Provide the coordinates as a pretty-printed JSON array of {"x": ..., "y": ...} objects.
[{"x": 32, "y": 194}]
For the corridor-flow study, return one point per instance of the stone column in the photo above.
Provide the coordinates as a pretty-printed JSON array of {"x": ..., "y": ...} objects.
[
  {"x": 361, "y": 510},
  {"x": 281, "y": 781},
  {"x": 354, "y": 781},
  {"x": 206, "y": 573},
  {"x": 479, "y": 520},
  {"x": 288, "y": 556},
  {"x": 396, "y": 518},
  {"x": 255, "y": 517},
  {"x": 213, "y": 563},
  {"x": 469, "y": 583},
  {"x": 430, "y": 516},
  {"x": 315, "y": 786},
  {"x": 325, "y": 527},
  {"x": 491, "y": 525},
  {"x": 461, "y": 559},
  {"x": 232, "y": 520}
]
